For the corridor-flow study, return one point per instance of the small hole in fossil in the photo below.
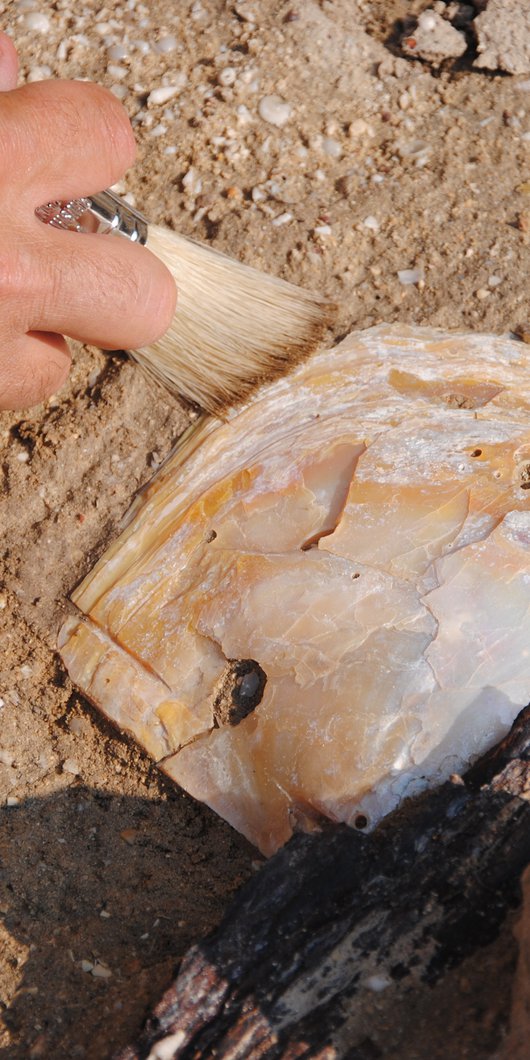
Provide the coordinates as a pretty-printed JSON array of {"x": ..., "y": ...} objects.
[
  {"x": 476, "y": 452},
  {"x": 211, "y": 537},
  {"x": 361, "y": 821}
]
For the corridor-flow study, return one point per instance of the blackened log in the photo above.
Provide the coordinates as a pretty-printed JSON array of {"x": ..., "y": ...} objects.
[{"x": 337, "y": 912}]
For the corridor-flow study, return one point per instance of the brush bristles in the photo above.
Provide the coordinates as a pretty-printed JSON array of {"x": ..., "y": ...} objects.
[{"x": 234, "y": 328}]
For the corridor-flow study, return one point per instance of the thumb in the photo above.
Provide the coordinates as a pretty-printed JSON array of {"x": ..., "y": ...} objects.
[{"x": 8, "y": 64}]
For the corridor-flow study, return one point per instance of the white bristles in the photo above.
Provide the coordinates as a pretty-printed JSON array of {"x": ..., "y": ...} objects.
[{"x": 234, "y": 327}]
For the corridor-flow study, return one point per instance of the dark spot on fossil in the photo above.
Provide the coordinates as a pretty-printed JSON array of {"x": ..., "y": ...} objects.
[
  {"x": 361, "y": 821},
  {"x": 460, "y": 401},
  {"x": 312, "y": 542},
  {"x": 476, "y": 452},
  {"x": 524, "y": 473},
  {"x": 239, "y": 691},
  {"x": 211, "y": 537}
]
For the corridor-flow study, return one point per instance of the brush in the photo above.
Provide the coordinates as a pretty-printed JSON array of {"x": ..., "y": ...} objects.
[{"x": 234, "y": 328}]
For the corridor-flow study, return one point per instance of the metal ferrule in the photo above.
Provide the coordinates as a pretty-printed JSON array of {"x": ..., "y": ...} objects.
[{"x": 102, "y": 213}]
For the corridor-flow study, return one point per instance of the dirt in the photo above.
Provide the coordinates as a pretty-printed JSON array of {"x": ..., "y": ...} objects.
[{"x": 387, "y": 166}]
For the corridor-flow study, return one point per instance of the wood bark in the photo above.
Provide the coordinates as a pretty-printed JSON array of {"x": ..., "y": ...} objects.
[{"x": 338, "y": 912}]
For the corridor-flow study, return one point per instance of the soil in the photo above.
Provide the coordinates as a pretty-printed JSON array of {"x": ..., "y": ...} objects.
[{"x": 386, "y": 171}]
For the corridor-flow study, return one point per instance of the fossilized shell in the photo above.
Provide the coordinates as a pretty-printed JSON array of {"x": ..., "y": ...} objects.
[{"x": 358, "y": 538}]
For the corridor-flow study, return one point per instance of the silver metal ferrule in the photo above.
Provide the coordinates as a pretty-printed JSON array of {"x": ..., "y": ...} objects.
[{"x": 102, "y": 213}]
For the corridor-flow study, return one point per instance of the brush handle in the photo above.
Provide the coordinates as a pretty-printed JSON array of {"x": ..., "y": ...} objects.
[{"x": 104, "y": 212}]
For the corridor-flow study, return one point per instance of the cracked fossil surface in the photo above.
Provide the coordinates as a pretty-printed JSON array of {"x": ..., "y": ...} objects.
[{"x": 322, "y": 605}]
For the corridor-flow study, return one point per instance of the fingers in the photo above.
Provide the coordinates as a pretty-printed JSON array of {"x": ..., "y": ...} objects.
[
  {"x": 8, "y": 64},
  {"x": 100, "y": 289},
  {"x": 62, "y": 140},
  {"x": 66, "y": 138},
  {"x": 32, "y": 369}
]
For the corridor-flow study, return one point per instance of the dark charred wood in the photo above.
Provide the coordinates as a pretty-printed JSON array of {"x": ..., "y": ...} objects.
[{"x": 305, "y": 938}]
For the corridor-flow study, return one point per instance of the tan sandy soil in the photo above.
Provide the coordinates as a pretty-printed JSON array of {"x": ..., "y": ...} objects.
[{"x": 384, "y": 165}]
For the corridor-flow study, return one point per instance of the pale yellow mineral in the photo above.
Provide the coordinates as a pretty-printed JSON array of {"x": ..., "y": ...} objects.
[{"x": 358, "y": 539}]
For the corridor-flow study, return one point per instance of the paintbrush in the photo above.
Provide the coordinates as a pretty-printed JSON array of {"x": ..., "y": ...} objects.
[{"x": 234, "y": 328}]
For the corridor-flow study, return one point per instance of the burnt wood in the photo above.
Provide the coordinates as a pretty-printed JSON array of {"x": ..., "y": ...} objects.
[{"x": 336, "y": 910}]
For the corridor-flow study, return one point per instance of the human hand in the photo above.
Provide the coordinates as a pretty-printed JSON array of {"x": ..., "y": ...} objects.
[{"x": 63, "y": 140}]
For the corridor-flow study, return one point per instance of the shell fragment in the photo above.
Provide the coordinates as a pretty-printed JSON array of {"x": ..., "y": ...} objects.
[{"x": 323, "y": 604}]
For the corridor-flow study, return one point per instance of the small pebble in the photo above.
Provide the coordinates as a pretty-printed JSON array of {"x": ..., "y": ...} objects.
[
  {"x": 6, "y": 758},
  {"x": 407, "y": 277},
  {"x": 274, "y": 110},
  {"x": 129, "y": 835},
  {"x": 227, "y": 76},
  {"x": 165, "y": 45},
  {"x": 70, "y": 766},
  {"x": 23, "y": 457},
  {"x": 159, "y": 129},
  {"x": 39, "y": 73},
  {"x": 322, "y": 230},
  {"x": 86, "y": 966},
  {"x": 372, "y": 223},
  {"x": 165, "y": 1048},
  {"x": 523, "y": 332},
  {"x": 118, "y": 72},
  {"x": 378, "y": 983},
  {"x": 360, "y": 129},
  {"x": 494, "y": 281},
  {"x": 482, "y": 293},
  {"x": 245, "y": 13},
  {"x": 192, "y": 182},
  {"x": 79, "y": 726},
  {"x": 12, "y": 801},
  {"x": 100, "y": 971},
  {"x": 161, "y": 95},
  {"x": 141, "y": 46},
  {"x": 282, "y": 219},
  {"x": 104, "y": 914},
  {"x": 415, "y": 149},
  {"x": 120, "y": 91},
  {"x": 117, "y": 52},
  {"x": 37, "y": 21},
  {"x": 331, "y": 147}
]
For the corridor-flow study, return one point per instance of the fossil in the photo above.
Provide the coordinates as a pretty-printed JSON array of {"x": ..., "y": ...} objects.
[{"x": 322, "y": 605}]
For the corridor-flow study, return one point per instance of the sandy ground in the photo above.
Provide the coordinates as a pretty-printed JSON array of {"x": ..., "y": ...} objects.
[{"x": 384, "y": 166}]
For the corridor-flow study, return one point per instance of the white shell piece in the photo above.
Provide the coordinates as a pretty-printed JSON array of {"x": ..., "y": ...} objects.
[{"x": 361, "y": 531}]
